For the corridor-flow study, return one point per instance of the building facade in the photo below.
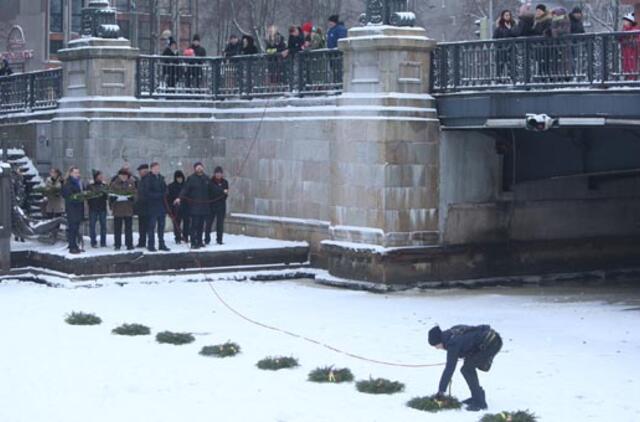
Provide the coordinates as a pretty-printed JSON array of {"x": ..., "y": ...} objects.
[{"x": 33, "y": 31}]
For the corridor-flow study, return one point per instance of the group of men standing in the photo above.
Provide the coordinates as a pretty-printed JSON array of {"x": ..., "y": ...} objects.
[{"x": 193, "y": 204}]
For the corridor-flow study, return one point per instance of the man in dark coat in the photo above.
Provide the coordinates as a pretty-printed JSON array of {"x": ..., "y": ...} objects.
[
  {"x": 171, "y": 67},
  {"x": 477, "y": 346},
  {"x": 98, "y": 209},
  {"x": 542, "y": 22},
  {"x": 233, "y": 47},
  {"x": 179, "y": 213},
  {"x": 219, "y": 194},
  {"x": 153, "y": 191},
  {"x": 336, "y": 31},
  {"x": 196, "y": 70},
  {"x": 140, "y": 209},
  {"x": 5, "y": 68},
  {"x": 197, "y": 193},
  {"x": 295, "y": 43},
  {"x": 74, "y": 206},
  {"x": 577, "y": 26}
]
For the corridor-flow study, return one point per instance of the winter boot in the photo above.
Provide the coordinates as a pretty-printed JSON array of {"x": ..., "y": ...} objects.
[{"x": 478, "y": 402}]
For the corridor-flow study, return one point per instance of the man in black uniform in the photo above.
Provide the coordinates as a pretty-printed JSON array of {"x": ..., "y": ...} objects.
[
  {"x": 197, "y": 193},
  {"x": 153, "y": 190},
  {"x": 219, "y": 193},
  {"x": 478, "y": 346},
  {"x": 140, "y": 209}
]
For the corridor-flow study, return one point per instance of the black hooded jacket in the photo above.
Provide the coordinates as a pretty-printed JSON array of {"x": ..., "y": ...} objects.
[
  {"x": 250, "y": 48},
  {"x": 460, "y": 341}
]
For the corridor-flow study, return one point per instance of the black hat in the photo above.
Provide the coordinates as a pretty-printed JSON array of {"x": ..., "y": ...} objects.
[
  {"x": 576, "y": 9},
  {"x": 435, "y": 336},
  {"x": 218, "y": 170},
  {"x": 143, "y": 167},
  {"x": 196, "y": 37},
  {"x": 334, "y": 18},
  {"x": 199, "y": 163},
  {"x": 541, "y": 7}
]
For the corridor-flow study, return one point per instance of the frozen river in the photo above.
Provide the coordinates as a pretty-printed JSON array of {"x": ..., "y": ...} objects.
[{"x": 570, "y": 354}]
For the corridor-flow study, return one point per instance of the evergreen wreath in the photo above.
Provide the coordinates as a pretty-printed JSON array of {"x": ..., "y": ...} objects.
[
  {"x": 168, "y": 337},
  {"x": 132, "y": 330},
  {"x": 82, "y": 318},
  {"x": 221, "y": 350},
  {"x": 519, "y": 416},
  {"x": 274, "y": 363},
  {"x": 379, "y": 386},
  {"x": 331, "y": 375},
  {"x": 434, "y": 403}
]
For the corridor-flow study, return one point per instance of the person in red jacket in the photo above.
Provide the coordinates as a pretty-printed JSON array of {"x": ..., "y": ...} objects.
[{"x": 630, "y": 48}]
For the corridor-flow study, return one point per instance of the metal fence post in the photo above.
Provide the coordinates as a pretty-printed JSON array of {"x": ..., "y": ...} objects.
[
  {"x": 31, "y": 92},
  {"x": 456, "y": 67},
  {"x": 138, "y": 87},
  {"x": 603, "y": 59},
  {"x": 527, "y": 63},
  {"x": 152, "y": 77},
  {"x": 215, "y": 77}
]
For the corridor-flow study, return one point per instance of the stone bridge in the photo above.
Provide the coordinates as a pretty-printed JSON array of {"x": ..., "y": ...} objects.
[{"x": 400, "y": 161}]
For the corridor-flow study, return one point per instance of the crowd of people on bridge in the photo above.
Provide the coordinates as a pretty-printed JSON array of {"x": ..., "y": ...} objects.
[
  {"x": 192, "y": 203},
  {"x": 177, "y": 71},
  {"x": 539, "y": 22},
  {"x": 557, "y": 58},
  {"x": 305, "y": 37}
]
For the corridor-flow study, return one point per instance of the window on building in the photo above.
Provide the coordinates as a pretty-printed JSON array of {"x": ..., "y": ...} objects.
[
  {"x": 122, "y": 5},
  {"x": 186, "y": 7},
  {"x": 56, "y": 15},
  {"x": 55, "y": 45},
  {"x": 76, "y": 15}
]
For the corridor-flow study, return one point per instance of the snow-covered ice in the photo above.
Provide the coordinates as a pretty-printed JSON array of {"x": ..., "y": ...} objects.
[{"x": 569, "y": 355}]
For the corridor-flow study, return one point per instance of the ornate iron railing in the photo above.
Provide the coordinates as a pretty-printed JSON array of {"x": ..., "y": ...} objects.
[
  {"x": 25, "y": 92},
  {"x": 588, "y": 60},
  {"x": 317, "y": 72}
]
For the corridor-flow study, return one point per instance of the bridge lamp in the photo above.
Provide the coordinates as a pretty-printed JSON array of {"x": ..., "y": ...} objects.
[{"x": 539, "y": 122}]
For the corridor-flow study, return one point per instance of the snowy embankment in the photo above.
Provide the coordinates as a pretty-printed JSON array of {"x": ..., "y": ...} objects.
[{"x": 567, "y": 357}]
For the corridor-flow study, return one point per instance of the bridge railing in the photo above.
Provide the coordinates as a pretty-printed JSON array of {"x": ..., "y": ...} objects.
[
  {"x": 317, "y": 72},
  {"x": 25, "y": 92},
  {"x": 585, "y": 60}
]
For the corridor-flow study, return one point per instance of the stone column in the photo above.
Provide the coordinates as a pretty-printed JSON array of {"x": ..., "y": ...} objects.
[
  {"x": 99, "y": 64},
  {"x": 5, "y": 218},
  {"x": 99, "y": 67},
  {"x": 385, "y": 158}
]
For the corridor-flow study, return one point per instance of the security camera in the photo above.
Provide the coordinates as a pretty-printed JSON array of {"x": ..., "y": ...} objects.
[{"x": 539, "y": 122}]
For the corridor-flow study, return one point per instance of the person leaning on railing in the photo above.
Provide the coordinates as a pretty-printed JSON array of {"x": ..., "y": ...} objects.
[
  {"x": 170, "y": 67},
  {"x": 629, "y": 47},
  {"x": 5, "y": 68}
]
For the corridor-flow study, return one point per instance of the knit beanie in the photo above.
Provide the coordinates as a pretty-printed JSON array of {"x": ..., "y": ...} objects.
[{"x": 435, "y": 336}]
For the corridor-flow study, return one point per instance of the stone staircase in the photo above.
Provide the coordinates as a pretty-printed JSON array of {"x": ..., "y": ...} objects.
[{"x": 30, "y": 199}]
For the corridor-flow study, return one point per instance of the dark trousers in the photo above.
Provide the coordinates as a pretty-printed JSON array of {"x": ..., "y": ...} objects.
[
  {"x": 181, "y": 225},
  {"x": 217, "y": 215},
  {"x": 482, "y": 360},
  {"x": 155, "y": 221},
  {"x": 73, "y": 231},
  {"x": 128, "y": 231},
  {"x": 96, "y": 217},
  {"x": 197, "y": 227},
  {"x": 143, "y": 224}
]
